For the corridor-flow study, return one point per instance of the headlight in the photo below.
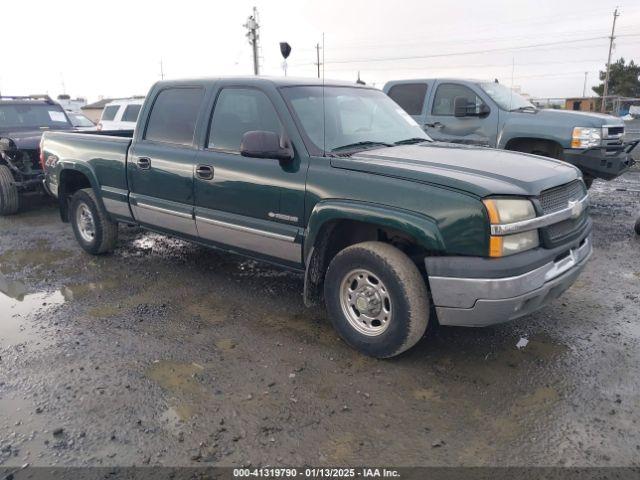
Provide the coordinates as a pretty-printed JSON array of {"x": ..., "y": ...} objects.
[
  {"x": 505, "y": 211},
  {"x": 584, "y": 137}
]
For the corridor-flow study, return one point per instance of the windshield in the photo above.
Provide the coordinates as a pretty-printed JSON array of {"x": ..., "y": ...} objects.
[
  {"x": 506, "y": 98},
  {"x": 32, "y": 116},
  {"x": 80, "y": 120},
  {"x": 354, "y": 117}
]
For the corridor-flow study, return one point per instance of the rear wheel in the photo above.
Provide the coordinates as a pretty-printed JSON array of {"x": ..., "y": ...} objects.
[
  {"x": 637, "y": 226},
  {"x": 376, "y": 299},
  {"x": 94, "y": 230},
  {"x": 588, "y": 181},
  {"x": 9, "y": 198}
]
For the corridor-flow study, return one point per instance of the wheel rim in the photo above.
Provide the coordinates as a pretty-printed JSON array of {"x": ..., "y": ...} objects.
[
  {"x": 365, "y": 302},
  {"x": 86, "y": 223}
]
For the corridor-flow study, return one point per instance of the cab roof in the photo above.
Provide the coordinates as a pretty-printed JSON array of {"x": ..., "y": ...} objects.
[{"x": 266, "y": 80}]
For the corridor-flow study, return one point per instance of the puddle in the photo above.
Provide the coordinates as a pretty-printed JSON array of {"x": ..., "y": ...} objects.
[
  {"x": 82, "y": 290},
  {"x": 39, "y": 256},
  {"x": 16, "y": 306},
  {"x": 179, "y": 379}
]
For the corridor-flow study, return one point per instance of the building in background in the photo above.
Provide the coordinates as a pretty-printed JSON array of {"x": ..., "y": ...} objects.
[
  {"x": 94, "y": 110},
  {"x": 583, "y": 104},
  {"x": 71, "y": 104}
]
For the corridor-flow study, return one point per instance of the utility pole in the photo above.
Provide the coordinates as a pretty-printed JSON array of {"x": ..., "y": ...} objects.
[
  {"x": 606, "y": 78},
  {"x": 584, "y": 87},
  {"x": 253, "y": 36},
  {"x": 318, "y": 58}
]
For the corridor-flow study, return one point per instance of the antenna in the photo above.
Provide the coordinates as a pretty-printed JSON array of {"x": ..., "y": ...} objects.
[
  {"x": 513, "y": 67},
  {"x": 324, "y": 116},
  {"x": 161, "y": 70}
]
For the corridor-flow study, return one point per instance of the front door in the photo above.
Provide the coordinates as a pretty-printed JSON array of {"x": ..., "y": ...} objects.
[
  {"x": 248, "y": 204},
  {"x": 441, "y": 124},
  {"x": 161, "y": 163}
]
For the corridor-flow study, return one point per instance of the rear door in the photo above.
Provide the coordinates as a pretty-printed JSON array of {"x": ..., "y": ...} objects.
[
  {"x": 161, "y": 161},
  {"x": 252, "y": 205},
  {"x": 441, "y": 124},
  {"x": 411, "y": 97}
]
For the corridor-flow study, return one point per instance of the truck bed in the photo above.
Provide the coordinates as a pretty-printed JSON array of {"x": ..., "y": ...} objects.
[{"x": 101, "y": 156}]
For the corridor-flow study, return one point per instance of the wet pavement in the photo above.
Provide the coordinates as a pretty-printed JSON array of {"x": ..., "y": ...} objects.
[{"x": 168, "y": 353}]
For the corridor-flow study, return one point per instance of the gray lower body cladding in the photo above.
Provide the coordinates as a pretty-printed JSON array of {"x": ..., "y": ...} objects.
[{"x": 476, "y": 302}]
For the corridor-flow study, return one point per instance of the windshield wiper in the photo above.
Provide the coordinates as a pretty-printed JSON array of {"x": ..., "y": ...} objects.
[
  {"x": 366, "y": 143},
  {"x": 522, "y": 109},
  {"x": 411, "y": 141}
]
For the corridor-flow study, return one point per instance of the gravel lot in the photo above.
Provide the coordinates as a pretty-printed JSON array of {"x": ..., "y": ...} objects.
[{"x": 168, "y": 353}]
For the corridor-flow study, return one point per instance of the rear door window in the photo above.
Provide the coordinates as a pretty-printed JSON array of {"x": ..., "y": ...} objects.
[
  {"x": 131, "y": 113},
  {"x": 410, "y": 96},
  {"x": 237, "y": 111},
  {"x": 109, "y": 112},
  {"x": 174, "y": 115}
]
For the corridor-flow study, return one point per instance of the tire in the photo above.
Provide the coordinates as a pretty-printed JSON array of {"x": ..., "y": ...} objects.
[
  {"x": 94, "y": 230},
  {"x": 400, "y": 295},
  {"x": 588, "y": 181},
  {"x": 9, "y": 197},
  {"x": 637, "y": 226}
]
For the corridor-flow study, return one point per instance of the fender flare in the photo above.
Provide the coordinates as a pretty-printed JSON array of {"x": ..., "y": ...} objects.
[
  {"x": 68, "y": 165},
  {"x": 421, "y": 228}
]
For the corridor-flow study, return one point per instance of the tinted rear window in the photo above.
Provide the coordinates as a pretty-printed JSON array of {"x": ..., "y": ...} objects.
[
  {"x": 131, "y": 113},
  {"x": 410, "y": 96},
  {"x": 109, "y": 113},
  {"x": 173, "y": 116}
]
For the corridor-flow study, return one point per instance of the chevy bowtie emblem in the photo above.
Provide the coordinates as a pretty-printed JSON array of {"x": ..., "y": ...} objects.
[{"x": 576, "y": 208}]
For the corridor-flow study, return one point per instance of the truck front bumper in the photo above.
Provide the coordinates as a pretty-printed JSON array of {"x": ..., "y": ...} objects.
[
  {"x": 478, "y": 302},
  {"x": 600, "y": 162}
]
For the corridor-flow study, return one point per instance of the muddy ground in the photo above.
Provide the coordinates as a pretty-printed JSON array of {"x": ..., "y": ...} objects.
[{"x": 168, "y": 353}]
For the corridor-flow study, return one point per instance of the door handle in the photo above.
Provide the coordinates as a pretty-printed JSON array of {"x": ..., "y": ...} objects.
[
  {"x": 434, "y": 125},
  {"x": 144, "y": 163},
  {"x": 205, "y": 172}
]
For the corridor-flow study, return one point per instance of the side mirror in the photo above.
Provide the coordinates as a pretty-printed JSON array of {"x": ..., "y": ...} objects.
[
  {"x": 460, "y": 107},
  {"x": 263, "y": 144},
  {"x": 463, "y": 108}
]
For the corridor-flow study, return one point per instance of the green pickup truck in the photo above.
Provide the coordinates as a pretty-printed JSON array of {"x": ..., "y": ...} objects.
[
  {"x": 492, "y": 115},
  {"x": 390, "y": 228}
]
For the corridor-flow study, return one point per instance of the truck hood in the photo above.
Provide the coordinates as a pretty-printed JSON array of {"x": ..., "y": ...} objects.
[
  {"x": 575, "y": 118},
  {"x": 24, "y": 140},
  {"x": 477, "y": 170}
]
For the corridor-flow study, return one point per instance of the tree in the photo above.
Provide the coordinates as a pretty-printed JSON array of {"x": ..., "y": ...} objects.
[{"x": 624, "y": 80}]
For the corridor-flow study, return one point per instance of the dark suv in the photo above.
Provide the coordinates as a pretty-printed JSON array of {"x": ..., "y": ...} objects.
[{"x": 22, "y": 121}]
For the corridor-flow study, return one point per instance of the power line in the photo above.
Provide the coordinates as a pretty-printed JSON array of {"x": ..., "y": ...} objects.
[
  {"x": 451, "y": 54},
  {"x": 470, "y": 52}
]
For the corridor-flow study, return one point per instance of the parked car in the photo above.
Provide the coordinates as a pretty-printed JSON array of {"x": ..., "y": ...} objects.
[
  {"x": 80, "y": 121},
  {"x": 22, "y": 121},
  {"x": 120, "y": 114},
  {"x": 493, "y": 115},
  {"x": 384, "y": 222}
]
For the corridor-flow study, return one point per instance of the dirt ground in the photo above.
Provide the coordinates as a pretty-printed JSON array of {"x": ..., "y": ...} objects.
[{"x": 168, "y": 353}]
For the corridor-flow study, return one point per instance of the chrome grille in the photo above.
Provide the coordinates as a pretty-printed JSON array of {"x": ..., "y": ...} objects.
[
  {"x": 558, "y": 198},
  {"x": 564, "y": 228}
]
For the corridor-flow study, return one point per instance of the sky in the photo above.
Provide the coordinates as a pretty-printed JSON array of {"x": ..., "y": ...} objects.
[{"x": 97, "y": 49}]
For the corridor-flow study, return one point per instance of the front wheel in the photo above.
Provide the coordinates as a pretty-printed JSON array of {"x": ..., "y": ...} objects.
[
  {"x": 637, "y": 226},
  {"x": 376, "y": 299},
  {"x": 9, "y": 197},
  {"x": 94, "y": 230}
]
